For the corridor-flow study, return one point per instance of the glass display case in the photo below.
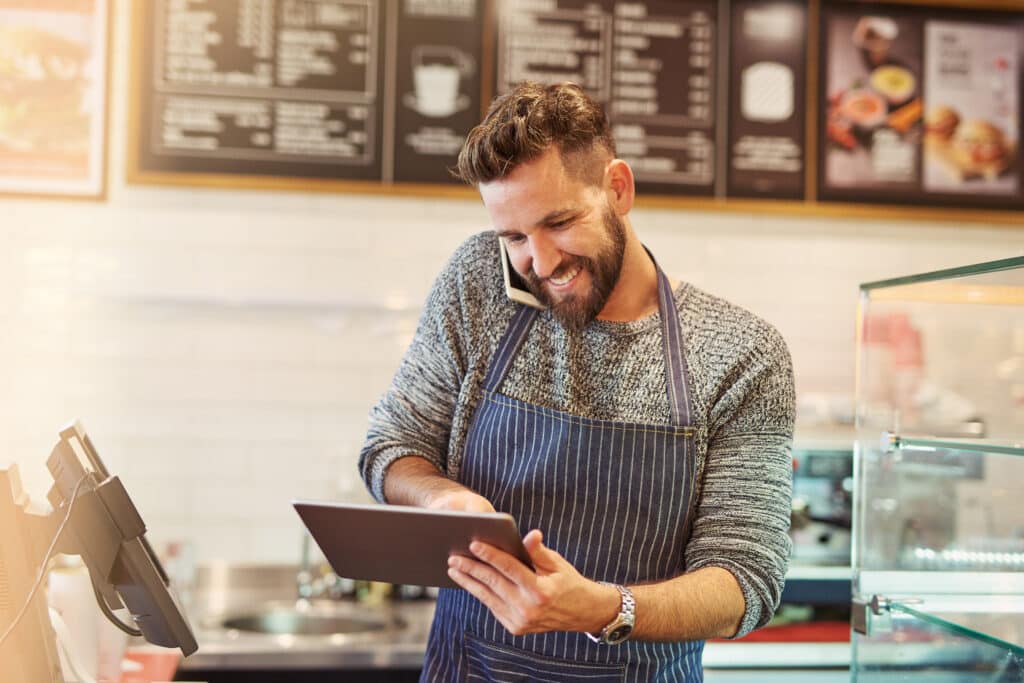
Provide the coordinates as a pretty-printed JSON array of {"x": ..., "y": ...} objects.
[{"x": 938, "y": 514}]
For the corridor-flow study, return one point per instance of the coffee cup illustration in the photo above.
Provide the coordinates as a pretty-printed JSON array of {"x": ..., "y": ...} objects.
[{"x": 437, "y": 72}]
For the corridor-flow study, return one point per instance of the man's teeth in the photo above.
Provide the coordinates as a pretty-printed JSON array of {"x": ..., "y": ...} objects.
[{"x": 567, "y": 277}]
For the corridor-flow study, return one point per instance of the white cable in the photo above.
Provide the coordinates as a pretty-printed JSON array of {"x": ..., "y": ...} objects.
[
  {"x": 66, "y": 643},
  {"x": 46, "y": 561}
]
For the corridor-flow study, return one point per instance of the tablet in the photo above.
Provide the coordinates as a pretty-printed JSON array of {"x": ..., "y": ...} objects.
[{"x": 401, "y": 544}]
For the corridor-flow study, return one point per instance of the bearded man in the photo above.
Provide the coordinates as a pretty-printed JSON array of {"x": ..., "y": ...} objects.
[{"x": 637, "y": 428}]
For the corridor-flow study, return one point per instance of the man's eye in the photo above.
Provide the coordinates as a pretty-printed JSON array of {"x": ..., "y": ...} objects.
[{"x": 515, "y": 239}]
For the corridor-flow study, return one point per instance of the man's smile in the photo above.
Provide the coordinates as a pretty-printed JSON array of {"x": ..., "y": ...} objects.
[{"x": 566, "y": 277}]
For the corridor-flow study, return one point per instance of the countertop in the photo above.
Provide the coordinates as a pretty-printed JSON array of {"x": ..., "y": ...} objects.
[{"x": 227, "y": 592}]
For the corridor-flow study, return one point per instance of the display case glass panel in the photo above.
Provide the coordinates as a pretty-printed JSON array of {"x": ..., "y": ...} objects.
[{"x": 938, "y": 523}]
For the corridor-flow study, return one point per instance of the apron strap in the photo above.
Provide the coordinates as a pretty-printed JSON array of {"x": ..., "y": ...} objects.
[
  {"x": 672, "y": 345},
  {"x": 671, "y": 338},
  {"x": 515, "y": 333}
]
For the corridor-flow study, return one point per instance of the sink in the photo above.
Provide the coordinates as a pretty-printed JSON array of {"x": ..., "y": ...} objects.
[
  {"x": 303, "y": 618},
  {"x": 246, "y": 618}
]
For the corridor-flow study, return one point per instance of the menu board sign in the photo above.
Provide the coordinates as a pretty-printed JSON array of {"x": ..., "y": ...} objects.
[
  {"x": 438, "y": 54},
  {"x": 767, "y": 91},
  {"x": 651, "y": 64},
  {"x": 917, "y": 104},
  {"x": 254, "y": 87},
  {"x": 921, "y": 106},
  {"x": 53, "y": 94},
  {"x": 305, "y": 88}
]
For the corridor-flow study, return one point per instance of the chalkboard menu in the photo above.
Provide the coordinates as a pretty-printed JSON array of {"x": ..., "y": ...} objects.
[
  {"x": 824, "y": 103},
  {"x": 920, "y": 107},
  {"x": 651, "y": 64},
  {"x": 438, "y": 75},
  {"x": 324, "y": 89},
  {"x": 767, "y": 92}
]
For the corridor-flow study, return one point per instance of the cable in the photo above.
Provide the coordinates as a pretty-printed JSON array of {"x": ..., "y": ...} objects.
[
  {"x": 46, "y": 561},
  {"x": 109, "y": 613}
]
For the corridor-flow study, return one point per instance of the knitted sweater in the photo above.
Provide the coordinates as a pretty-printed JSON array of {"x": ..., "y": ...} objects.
[{"x": 741, "y": 386}]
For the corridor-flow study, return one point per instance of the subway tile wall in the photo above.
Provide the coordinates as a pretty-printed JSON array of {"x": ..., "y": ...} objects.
[{"x": 223, "y": 347}]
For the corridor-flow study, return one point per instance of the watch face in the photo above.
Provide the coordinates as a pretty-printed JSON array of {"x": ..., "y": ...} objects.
[{"x": 620, "y": 634}]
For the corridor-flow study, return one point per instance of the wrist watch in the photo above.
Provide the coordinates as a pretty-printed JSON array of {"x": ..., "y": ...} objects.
[{"x": 619, "y": 628}]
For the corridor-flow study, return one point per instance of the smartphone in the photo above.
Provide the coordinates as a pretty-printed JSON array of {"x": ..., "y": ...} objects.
[{"x": 515, "y": 286}]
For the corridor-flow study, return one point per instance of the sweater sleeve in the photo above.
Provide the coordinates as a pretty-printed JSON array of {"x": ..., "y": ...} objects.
[
  {"x": 743, "y": 512},
  {"x": 414, "y": 417}
]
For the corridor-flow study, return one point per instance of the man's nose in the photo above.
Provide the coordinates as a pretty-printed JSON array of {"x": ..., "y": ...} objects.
[{"x": 545, "y": 257}]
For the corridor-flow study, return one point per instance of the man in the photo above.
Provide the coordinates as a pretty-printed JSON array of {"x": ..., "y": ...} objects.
[{"x": 637, "y": 428}]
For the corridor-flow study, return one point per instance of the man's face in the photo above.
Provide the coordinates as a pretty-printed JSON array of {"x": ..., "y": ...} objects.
[{"x": 562, "y": 236}]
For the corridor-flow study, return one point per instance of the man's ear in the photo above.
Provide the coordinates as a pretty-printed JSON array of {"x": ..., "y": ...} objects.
[{"x": 620, "y": 186}]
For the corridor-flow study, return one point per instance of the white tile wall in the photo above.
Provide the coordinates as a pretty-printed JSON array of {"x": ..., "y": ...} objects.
[{"x": 223, "y": 347}]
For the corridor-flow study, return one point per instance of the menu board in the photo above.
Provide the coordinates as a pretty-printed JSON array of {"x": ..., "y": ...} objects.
[
  {"x": 651, "y": 64},
  {"x": 306, "y": 88},
  {"x": 439, "y": 49},
  {"x": 918, "y": 105},
  {"x": 53, "y": 95},
  {"x": 921, "y": 106},
  {"x": 767, "y": 92}
]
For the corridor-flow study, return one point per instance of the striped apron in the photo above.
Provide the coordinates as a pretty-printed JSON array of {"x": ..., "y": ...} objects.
[{"x": 614, "y": 498}]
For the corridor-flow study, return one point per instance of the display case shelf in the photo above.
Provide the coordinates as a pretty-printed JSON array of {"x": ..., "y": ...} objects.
[
  {"x": 995, "y": 447},
  {"x": 1003, "y": 630}
]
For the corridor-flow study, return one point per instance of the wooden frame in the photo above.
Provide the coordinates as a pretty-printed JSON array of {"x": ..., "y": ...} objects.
[
  {"x": 808, "y": 207},
  {"x": 93, "y": 183}
]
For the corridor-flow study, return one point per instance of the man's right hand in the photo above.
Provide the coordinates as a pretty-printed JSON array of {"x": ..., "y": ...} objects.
[{"x": 414, "y": 480}]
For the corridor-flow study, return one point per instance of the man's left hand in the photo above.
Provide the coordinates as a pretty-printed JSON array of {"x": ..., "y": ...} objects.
[{"x": 554, "y": 597}]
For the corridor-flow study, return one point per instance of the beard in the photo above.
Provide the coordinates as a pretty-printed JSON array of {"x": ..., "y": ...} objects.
[{"x": 576, "y": 312}]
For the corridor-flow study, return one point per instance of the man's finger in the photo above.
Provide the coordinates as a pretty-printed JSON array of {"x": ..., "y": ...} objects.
[
  {"x": 510, "y": 567},
  {"x": 481, "y": 592},
  {"x": 484, "y": 573},
  {"x": 543, "y": 557}
]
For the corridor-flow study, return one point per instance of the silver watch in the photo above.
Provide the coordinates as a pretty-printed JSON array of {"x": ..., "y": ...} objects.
[{"x": 618, "y": 629}]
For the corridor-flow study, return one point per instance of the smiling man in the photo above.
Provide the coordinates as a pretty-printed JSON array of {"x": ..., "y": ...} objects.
[{"x": 638, "y": 428}]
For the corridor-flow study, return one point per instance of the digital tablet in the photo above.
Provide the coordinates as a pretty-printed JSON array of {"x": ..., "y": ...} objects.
[{"x": 401, "y": 544}]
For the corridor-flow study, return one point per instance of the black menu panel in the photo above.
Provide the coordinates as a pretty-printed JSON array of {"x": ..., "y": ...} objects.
[
  {"x": 375, "y": 90},
  {"x": 437, "y": 101},
  {"x": 767, "y": 95},
  {"x": 651, "y": 64},
  {"x": 920, "y": 106},
  {"x": 260, "y": 87}
]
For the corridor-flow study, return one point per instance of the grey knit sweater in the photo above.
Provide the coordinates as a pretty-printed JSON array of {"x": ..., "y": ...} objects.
[{"x": 741, "y": 387}]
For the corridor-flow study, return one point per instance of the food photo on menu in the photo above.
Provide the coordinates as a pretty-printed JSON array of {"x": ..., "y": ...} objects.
[
  {"x": 45, "y": 95},
  {"x": 971, "y": 108},
  {"x": 874, "y": 111}
]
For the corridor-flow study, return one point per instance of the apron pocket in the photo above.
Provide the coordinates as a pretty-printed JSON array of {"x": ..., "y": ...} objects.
[{"x": 487, "y": 661}]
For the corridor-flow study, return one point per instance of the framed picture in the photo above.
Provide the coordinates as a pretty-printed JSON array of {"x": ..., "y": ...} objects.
[
  {"x": 54, "y": 80},
  {"x": 920, "y": 105}
]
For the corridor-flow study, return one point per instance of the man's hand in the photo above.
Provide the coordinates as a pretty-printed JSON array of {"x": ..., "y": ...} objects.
[
  {"x": 554, "y": 598},
  {"x": 415, "y": 481},
  {"x": 460, "y": 499}
]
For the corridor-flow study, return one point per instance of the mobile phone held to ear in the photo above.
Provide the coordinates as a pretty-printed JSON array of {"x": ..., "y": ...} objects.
[{"x": 515, "y": 287}]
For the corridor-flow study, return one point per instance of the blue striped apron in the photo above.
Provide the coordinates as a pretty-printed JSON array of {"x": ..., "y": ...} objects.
[{"x": 614, "y": 498}]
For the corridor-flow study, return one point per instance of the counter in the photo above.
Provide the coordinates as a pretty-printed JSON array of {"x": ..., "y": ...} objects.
[{"x": 227, "y": 593}]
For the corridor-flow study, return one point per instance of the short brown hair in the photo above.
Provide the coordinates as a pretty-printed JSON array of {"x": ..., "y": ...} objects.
[{"x": 523, "y": 123}]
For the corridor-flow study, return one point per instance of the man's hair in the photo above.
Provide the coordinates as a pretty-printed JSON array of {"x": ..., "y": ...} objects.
[{"x": 525, "y": 122}]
